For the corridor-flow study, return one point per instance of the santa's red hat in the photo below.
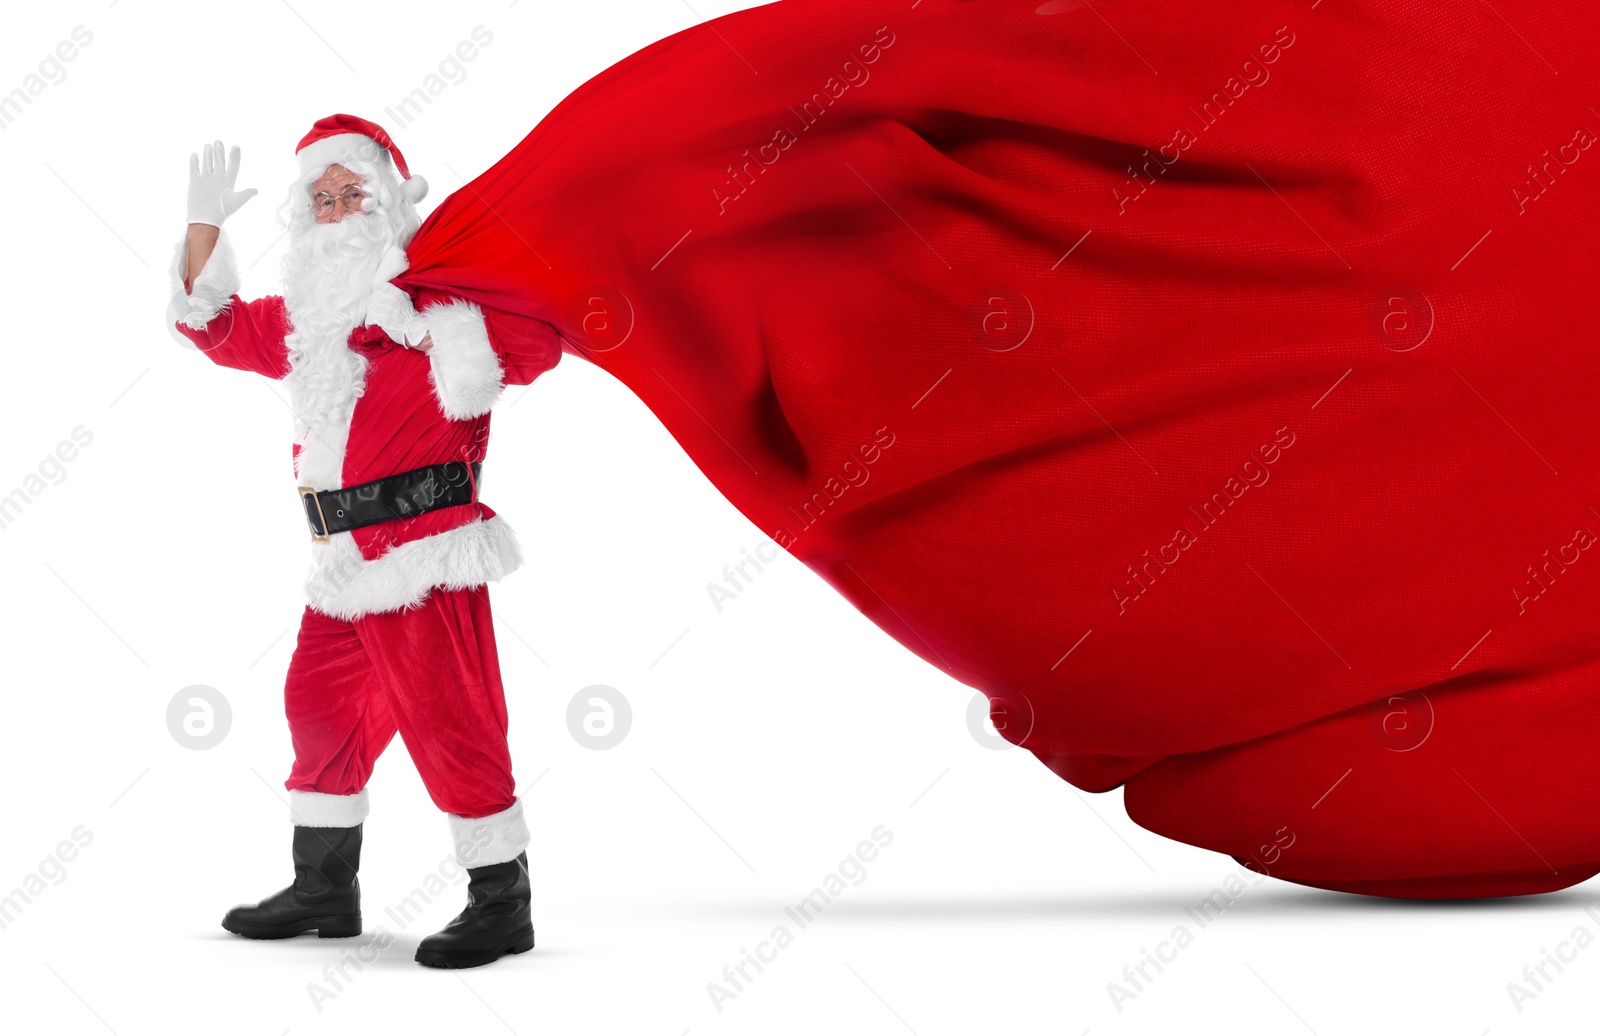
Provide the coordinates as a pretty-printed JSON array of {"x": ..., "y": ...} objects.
[{"x": 346, "y": 139}]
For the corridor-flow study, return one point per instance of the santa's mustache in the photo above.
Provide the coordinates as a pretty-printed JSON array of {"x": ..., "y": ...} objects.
[
  {"x": 330, "y": 270},
  {"x": 332, "y": 246}
]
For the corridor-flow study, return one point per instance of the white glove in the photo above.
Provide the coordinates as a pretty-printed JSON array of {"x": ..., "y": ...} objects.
[
  {"x": 212, "y": 198},
  {"x": 391, "y": 309}
]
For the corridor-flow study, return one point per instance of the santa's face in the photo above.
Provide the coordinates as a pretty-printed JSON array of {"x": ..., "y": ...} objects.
[
  {"x": 342, "y": 235},
  {"x": 337, "y": 193},
  {"x": 348, "y": 228}
]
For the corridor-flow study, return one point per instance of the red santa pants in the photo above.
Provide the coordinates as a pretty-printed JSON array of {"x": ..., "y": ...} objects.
[{"x": 431, "y": 673}]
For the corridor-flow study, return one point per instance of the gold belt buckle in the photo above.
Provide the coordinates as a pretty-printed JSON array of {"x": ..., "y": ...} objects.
[{"x": 316, "y": 537}]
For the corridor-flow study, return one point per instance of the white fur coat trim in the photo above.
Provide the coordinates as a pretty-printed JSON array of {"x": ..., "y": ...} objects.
[
  {"x": 345, "y": 586},
  {"x": 211, "y": 291},
  {"x": 466, "y": 371},
  {"x": 319, "y": 809},
  {"x": 484, "y": 841}
]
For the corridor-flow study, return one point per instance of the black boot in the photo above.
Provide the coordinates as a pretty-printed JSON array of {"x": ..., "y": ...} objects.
[
  {"x": 325, "y": 896},
  {"x": 497, "y": 921}
]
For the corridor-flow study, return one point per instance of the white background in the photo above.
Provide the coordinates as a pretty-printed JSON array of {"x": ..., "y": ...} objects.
[{"x": 767, "y": 740}]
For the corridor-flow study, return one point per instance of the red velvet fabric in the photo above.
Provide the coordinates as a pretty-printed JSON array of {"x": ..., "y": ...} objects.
[
  {"x": 1211, "y": 385},
  {"x": 431, "y": 673}
]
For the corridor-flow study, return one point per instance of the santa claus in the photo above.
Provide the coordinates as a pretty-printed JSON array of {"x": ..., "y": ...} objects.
[{"x": 391, "y": 398}]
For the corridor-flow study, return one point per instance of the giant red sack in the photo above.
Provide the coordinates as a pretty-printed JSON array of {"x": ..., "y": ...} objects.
[{"x": 1211, "y": 385}]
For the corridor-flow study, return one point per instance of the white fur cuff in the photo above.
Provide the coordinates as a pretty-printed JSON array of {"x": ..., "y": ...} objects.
[
  {"x": 484, "y": 841},
  {"x": 210, "y": 293},
  {"x": 466, "y": 370},
  {"x": 317, "y": 809}
]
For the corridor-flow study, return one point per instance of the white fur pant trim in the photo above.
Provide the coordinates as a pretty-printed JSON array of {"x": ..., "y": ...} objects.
[
  {"x": 318, "y": 809},
  {"x": 345, "y": 586},
  {"x": 497, "y": 838}
]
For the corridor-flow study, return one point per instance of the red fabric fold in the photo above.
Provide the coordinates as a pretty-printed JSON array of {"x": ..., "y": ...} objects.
[{"x": 1186, "y": 377}]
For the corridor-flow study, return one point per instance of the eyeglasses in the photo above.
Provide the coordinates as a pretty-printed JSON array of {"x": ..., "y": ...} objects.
[{"x": 351, "y": 197}]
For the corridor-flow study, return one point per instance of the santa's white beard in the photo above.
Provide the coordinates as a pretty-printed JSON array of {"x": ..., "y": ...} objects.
[
  {"x": 328, "y": 276},
  {"x": 329, "y": 271}
]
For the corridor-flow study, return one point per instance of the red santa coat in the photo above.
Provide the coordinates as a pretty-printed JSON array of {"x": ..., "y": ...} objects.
[{"x": 409, "y": 410}]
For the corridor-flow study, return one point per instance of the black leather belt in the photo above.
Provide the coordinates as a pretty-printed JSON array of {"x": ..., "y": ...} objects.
[{"x": 405, "y": 495}]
